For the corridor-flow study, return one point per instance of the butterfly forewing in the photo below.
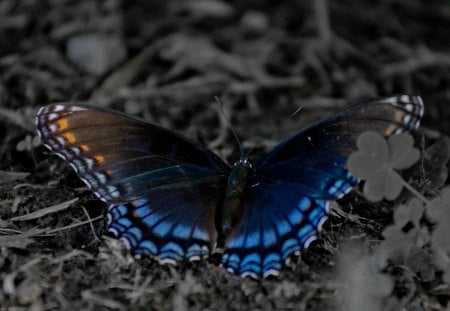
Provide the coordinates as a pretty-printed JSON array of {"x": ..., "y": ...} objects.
[
  {"x": 292, "y": 185},
  {"x": 121, "y": 158},
  {"x": 163, "y": 189}
]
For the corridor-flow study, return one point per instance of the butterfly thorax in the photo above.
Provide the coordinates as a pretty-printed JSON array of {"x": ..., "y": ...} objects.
[{"x": 235, "y": 194}]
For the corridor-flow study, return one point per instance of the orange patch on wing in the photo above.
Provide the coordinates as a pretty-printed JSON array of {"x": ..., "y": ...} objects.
[
  {"x": 388, "y": 131},
  {"x": 70, "y": 137},
  {"x": 62, "y": 124},
  {"x": 109, "y": 173},
  {"x": 99, "y": 159},
  {"x": 84, "y": 148},
  {"x": 399, "y": 115}
]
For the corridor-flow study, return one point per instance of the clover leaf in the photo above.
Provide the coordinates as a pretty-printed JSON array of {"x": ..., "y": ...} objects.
[
  {"x": 376, "y": 161},
  {"x": 438, "y": 211},
  {"x": 435, "y": 160},
  {"x": 409, "y": 213}
]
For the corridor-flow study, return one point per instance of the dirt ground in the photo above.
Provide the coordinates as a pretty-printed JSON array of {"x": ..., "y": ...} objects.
[{"x": 165, "y": 61}]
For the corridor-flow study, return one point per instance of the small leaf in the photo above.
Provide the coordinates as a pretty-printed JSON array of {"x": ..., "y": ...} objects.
[
  {"x": 392, "y": 185},
  {"x": 439, "y": 208},
  {"x": 361, "y": 165},
  {"x": 435, "y": 159},
  {"x": 418, "y": 260},
  {"x": 411, "y": 212},
  {"x": 440, "y": 258},
  {"x": 374, "y": 186},
  {"x": 440, "y": 237},
  {"x": 402, "y": 151},
  {"x": 374, "y": 145},
  {"x": 376, "y": 160}
]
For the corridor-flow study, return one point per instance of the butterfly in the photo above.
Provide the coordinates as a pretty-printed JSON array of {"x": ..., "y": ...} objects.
[{"x": 173, "y": 199}]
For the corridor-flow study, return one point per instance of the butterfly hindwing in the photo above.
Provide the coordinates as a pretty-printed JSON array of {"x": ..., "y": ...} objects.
[
  {"x": 277, "y": 221},
  {"x": 163, "y": 189},
  {"x": 174, "y": 224},
  {"x": 290, "y": 189}
]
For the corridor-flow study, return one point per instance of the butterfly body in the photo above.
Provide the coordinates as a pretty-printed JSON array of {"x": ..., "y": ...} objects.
[
  {"x": 173, "y": 199},
  {"x": 235, "y": 194}
]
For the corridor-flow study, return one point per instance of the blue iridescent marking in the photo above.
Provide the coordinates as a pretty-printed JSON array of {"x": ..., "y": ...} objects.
[
  {"x": 136, "y": 232},
  {"x": 124, "y": 222},
  {"x": 152, "y": 219},
  {"x": 130, "y": 238},
  {"x": 315, "y": 215},
  {"x": 79, "y": 165},
  {"x": 289, "y": 245},
  {"x": 251, "y": 258},
  {"x": 149, "y": 246},
  {"x": 200, "y": 234},
  {"x": 233, "y": 261},
  {"x": 295, "y": 217},
  {"x": 225, "y": 257},
  {"x": 162, "y": 229},
  {"x": 140, "y": 203},
  {"x": 236, "y": 241},
  {"x": 304, "y": 204},
  {"x": 181, "y": 231},
  {"x": 253, "y": 239},
  {"x": 194, "y": 250},
  {"x": 116, "y": 229},
  {"x": 336, "y": 186},
  {"x": 143, "y": 211},
  {"x": 115, "y": 214},
  {"x": 282, "y": 226},
  {"x": 272, "y": 259},
  {"x": 172, "y": 247},
  {"x": 304, "y": 233},
  {"x": 122, "y": 209},
  {"x": 321, "y": 203},
  {"x": 251, "y": 267},
  {"x": 270, "y": 238}
]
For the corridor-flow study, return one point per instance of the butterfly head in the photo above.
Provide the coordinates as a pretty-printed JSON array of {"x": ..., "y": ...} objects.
[{"x": 243, "y": 161}]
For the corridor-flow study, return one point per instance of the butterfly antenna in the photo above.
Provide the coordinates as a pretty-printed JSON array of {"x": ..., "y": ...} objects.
[
  {"x": 236, "y": 137},
  {"x": 277, "y": 129}
]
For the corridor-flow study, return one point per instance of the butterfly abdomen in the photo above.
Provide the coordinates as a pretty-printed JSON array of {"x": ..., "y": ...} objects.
[{"x": 235, "y": 195}]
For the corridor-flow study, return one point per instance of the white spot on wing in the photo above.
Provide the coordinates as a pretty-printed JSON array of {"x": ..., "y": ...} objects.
[
  {"x": 250, "y": 274},
  {"x": 391, "y": 100},
  {"x": 113, "y": 231},
  {"x": 167, "y": 260},
  {"x": 60, "y": 141},
  {"x": 76, "y": 108},
  {"x": 407, "y": 119},
  {"x": 101, "y": 178},
  {"x": 321, "y": 222},
  {"x": 53, "y": 116},
  {"x": 310, "y": 240},
  {"x": 58, "y": 108},
  {"x": 405, "y": 98},
  {"x": 272, "y": 271}
]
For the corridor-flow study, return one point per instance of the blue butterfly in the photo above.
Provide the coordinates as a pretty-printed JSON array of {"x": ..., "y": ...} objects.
[{"x": 173, "y": 199}]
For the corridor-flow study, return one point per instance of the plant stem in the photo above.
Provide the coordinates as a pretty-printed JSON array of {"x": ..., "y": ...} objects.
[{"x": 412, "y": 189}]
